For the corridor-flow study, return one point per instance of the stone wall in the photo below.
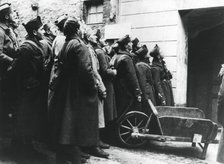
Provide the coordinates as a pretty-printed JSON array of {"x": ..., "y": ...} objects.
[{"x": 49, "y": 10}]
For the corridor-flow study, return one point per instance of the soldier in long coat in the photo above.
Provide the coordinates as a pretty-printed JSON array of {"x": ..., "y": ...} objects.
[
  {"x": 162, "y": 77},
  {"x": 144, "y": 75},
  {"x": 102, "y": 92},
  {"x": 31, "y": 87},
  {"x": 107, "y": 74},
  {"x": 74, "y": 112},
  {"x": 8, "y": 54},
  {"x": 91, "y": 41},
  {"x": 127, "y": 90},
  {"x": 56, "y": 47}
]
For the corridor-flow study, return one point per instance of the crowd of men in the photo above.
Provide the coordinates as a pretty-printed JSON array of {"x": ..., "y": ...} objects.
[{"x": 63, "y": 88}]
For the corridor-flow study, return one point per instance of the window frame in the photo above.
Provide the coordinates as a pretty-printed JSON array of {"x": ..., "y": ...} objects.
[{"x": 95, "y": 4}]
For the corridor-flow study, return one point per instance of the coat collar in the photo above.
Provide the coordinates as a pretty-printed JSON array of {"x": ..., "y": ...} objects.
[
  {"x": 123, "y": 52},
  {"x": 34, "y": 40},
  {"x": 5, "y": 28},
  {"x": 156, "y": 63},
  {"x": 68, "y": 38}
]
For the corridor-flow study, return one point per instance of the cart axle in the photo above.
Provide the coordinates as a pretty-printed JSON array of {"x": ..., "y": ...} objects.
[{"x": 161, "y": 138}]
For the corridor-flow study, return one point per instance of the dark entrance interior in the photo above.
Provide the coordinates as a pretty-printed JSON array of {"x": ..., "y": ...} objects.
[{"x": 205, "y": 29}]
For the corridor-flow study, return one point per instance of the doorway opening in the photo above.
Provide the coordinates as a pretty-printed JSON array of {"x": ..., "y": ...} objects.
[{"x": 205, "y": 30}]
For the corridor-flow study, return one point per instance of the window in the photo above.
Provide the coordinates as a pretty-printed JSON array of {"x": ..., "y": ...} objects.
[{"x": 95, "y": 13}]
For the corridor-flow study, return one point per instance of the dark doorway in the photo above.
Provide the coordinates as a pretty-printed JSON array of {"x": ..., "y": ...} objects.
[{"x": 205, "y": 28}]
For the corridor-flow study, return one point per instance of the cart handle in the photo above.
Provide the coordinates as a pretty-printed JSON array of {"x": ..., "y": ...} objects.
[{"x": 153, "y": 107}]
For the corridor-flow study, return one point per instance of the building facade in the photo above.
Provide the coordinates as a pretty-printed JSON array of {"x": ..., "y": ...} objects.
[{"x": 190, "y": 34}]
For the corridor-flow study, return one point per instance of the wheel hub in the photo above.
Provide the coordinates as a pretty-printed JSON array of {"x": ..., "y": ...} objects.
[{"x": 135, "y": 130}]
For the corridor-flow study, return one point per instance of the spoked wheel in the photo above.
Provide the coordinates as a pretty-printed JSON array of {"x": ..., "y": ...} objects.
[{"x": 134, "y": 121}]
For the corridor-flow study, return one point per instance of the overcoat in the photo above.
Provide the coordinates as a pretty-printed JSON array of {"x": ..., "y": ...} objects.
[
  {"x": 8, "y": 52},
  {"x": 56, "y": 47},
  {"x": 163, "y": 85},
  {"x": 126, "y": 83},
  {"x": 110, "y": 110},
  {"x": 100, "y": 85},
  {"x": 144, "y": 75},
  {"x": 31, "y": 106},
  {"x": 8, "y": 47},
  {"x": 57, "y": 44},
  {"x": 73, "y": 114}
]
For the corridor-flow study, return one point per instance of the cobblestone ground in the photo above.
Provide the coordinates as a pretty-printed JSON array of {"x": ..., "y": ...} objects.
[
  {"x": 159, "y": 153},
  {"x": 152, "y": 153}
]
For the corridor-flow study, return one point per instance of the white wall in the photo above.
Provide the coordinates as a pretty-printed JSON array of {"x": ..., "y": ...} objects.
[
  {"x": 158, "y": 22},
  {"x": 155, "y": 22}
]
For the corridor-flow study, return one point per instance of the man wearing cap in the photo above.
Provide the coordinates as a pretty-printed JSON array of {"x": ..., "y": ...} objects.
[
  {"x": 135, "y": 45},
  {"x": 56, "y": 47},
  {"x": 31, "y": 110},
  {"x": 60, "y": 38},
  {"x": 91, "y": 41},
  {"x": 144, "y": 75},
  {"x": 107, "y": 74},
  {"x": 8, "y": 52},
  {"x": 74, "y": 115},
  {"x": 99, "y": 65},
  {"x": 49, "y": 34},
  {"x": 162, "y": 77},
  {"x": 127, "y": 90},
  {"x": 8, "y": 41}
]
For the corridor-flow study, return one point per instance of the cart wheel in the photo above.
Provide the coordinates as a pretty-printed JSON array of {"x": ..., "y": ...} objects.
[{"x": 133, "y": 121}]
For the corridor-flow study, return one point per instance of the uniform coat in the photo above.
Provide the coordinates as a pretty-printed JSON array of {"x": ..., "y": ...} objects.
[
  {"x": 8, "y": 52},
  {"x": 56, "y": 47},
  {"x": 100, "y": 85},
  {"x": 110, "y": 110},
  {"x": 163, "y": 85},
  {"x": 31, "y": 109},
  {"x": 160, "y": 96},
  {"x": 145, "y": 81},
  {"x": 126, "y": 83},
  {"x": 73, "y": 113},
  {"x": 8, "y": 47}
]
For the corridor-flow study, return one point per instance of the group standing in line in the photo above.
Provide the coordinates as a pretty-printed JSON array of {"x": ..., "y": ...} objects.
[{"x": 64, "y": 89}]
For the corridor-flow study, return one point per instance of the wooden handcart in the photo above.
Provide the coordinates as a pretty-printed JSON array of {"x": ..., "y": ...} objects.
[{"x": 167, "y": 123}]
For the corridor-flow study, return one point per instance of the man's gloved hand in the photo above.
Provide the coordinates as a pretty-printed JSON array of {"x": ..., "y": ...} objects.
[
  {"x": 139, "y": 98},
  {"x": 102, "y": 95},
  {"x": 115, "y": 72},
  {"x": 12, "y": 65},
  {"x": 163, "y": 103}
]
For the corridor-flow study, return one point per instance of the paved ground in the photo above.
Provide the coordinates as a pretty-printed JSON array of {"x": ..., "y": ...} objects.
[
  {"x": 152, "y": 153},
  {"x": 159, "y": 153}
]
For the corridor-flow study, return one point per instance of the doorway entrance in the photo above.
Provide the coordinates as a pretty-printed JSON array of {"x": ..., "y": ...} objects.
[{"x": 205, "y": 30}]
